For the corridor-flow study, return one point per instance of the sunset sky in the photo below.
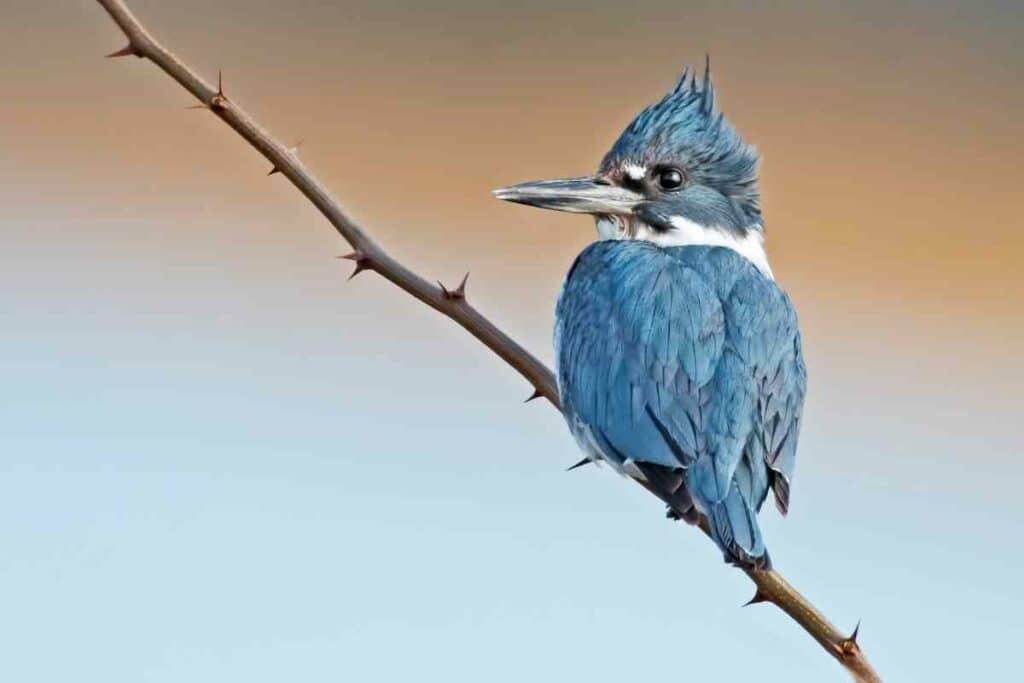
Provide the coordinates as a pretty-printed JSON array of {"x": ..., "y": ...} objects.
[{"x": 221, "y": 461}]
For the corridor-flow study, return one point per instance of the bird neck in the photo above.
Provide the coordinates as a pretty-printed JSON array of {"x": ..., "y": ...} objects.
[{"x": 748, "y": 243}]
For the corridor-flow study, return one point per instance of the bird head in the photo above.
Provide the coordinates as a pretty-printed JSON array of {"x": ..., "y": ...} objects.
[{"x": 678, "y": 174}]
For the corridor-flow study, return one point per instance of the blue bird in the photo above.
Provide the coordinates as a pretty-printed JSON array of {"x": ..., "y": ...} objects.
[{"x": 678, "y": 356}]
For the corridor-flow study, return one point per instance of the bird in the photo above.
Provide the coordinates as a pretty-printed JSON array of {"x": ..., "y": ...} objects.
[{"x": 678, "y": 355}]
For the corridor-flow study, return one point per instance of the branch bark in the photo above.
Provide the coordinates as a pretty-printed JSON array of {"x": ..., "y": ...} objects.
[{"x": 369, "y": 255}]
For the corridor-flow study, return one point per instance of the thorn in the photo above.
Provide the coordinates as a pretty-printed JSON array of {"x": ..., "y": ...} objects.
[
  {"x": 848, "y": 646},
  {"x": 534, "y": 396},
  {"x": 362, "y": 262},
  {"x": 219, "y": 100},
  {"x": 126, "y": 51},
  {"x": 456, "y": 294},
  {"x": 581, "y": 463},
  {"x": 197, "y": 106},
  {"x": 758, "y": 597},
  {"x": 460, "y": 291},
  {"x": 293, "y": 150}
]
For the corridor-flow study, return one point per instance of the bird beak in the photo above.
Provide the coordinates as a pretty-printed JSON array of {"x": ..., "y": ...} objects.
[{"x": 591, "y": 194}]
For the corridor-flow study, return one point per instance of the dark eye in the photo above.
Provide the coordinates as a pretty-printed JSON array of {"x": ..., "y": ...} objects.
[{"x": 670, "y": 179}]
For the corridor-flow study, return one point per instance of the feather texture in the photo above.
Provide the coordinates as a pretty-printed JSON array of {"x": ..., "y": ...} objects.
[
  {"x": 687, "y": 360},
  {"x": 686, "y": 129}
]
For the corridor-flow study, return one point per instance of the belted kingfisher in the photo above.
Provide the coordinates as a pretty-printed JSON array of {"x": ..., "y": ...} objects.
[{"x": 678, "y": 356}]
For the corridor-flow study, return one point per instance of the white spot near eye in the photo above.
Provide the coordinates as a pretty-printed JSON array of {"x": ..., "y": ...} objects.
[{"x": 634, "y": 171}]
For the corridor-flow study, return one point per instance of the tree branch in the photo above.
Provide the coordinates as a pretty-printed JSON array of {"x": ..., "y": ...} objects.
[{"x": 369, "y": 255}]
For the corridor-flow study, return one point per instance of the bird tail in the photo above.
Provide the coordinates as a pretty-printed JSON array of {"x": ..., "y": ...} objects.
[{"x": 734, "y": 528}]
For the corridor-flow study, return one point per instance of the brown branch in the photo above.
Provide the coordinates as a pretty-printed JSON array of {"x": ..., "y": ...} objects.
[{"x": 368, "y": 255}]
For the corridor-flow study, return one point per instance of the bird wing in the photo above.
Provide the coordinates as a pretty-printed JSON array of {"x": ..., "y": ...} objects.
[
  {"x": 639, "y": 336},
  {"x": 682, "y": 358},
  {"x": 759, "y": 384},
  {"x": 781, "y": 385}
]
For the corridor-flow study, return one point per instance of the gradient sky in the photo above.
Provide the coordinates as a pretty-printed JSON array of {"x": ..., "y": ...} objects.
[{"x": 220, "y": 461}]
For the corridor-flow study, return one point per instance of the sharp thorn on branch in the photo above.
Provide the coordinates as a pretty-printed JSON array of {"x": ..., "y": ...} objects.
[
  {"x": 293, "y": 150},
  {"x": 458, "y": 293},
  {"x": 581, "y": 463},
  {"x": 362, "y": 262},
  {"x": 197, "y": 106},
  {"x": 219, "y": 100},
  {"x": 848, "y": 646},
  {"x": 758, "y": 597},
  {"x": 534, "y": 396},
  {"x": 126, "y": 51}
]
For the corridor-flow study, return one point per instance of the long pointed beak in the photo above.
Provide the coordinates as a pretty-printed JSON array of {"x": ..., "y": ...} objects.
[{"x": 576, "y": 195}]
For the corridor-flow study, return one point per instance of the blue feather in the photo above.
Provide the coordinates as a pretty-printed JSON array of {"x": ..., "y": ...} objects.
[{"x": 685, "y": 358}]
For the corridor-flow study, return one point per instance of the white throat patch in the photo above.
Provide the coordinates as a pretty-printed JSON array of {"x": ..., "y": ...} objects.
[{"x": 687, "y": 233}]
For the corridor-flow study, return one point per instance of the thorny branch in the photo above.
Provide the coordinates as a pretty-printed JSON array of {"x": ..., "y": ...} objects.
[{"x": 370, "y": 256}]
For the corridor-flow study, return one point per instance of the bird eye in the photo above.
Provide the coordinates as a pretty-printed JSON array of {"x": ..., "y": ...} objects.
[{"x": 670, "y": 179}]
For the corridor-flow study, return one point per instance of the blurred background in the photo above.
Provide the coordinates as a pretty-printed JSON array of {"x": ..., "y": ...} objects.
[{"x": 220, "y": 461}]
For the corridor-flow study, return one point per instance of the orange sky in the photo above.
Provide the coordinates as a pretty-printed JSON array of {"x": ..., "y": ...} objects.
[{"x": 891, "y": 159}]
